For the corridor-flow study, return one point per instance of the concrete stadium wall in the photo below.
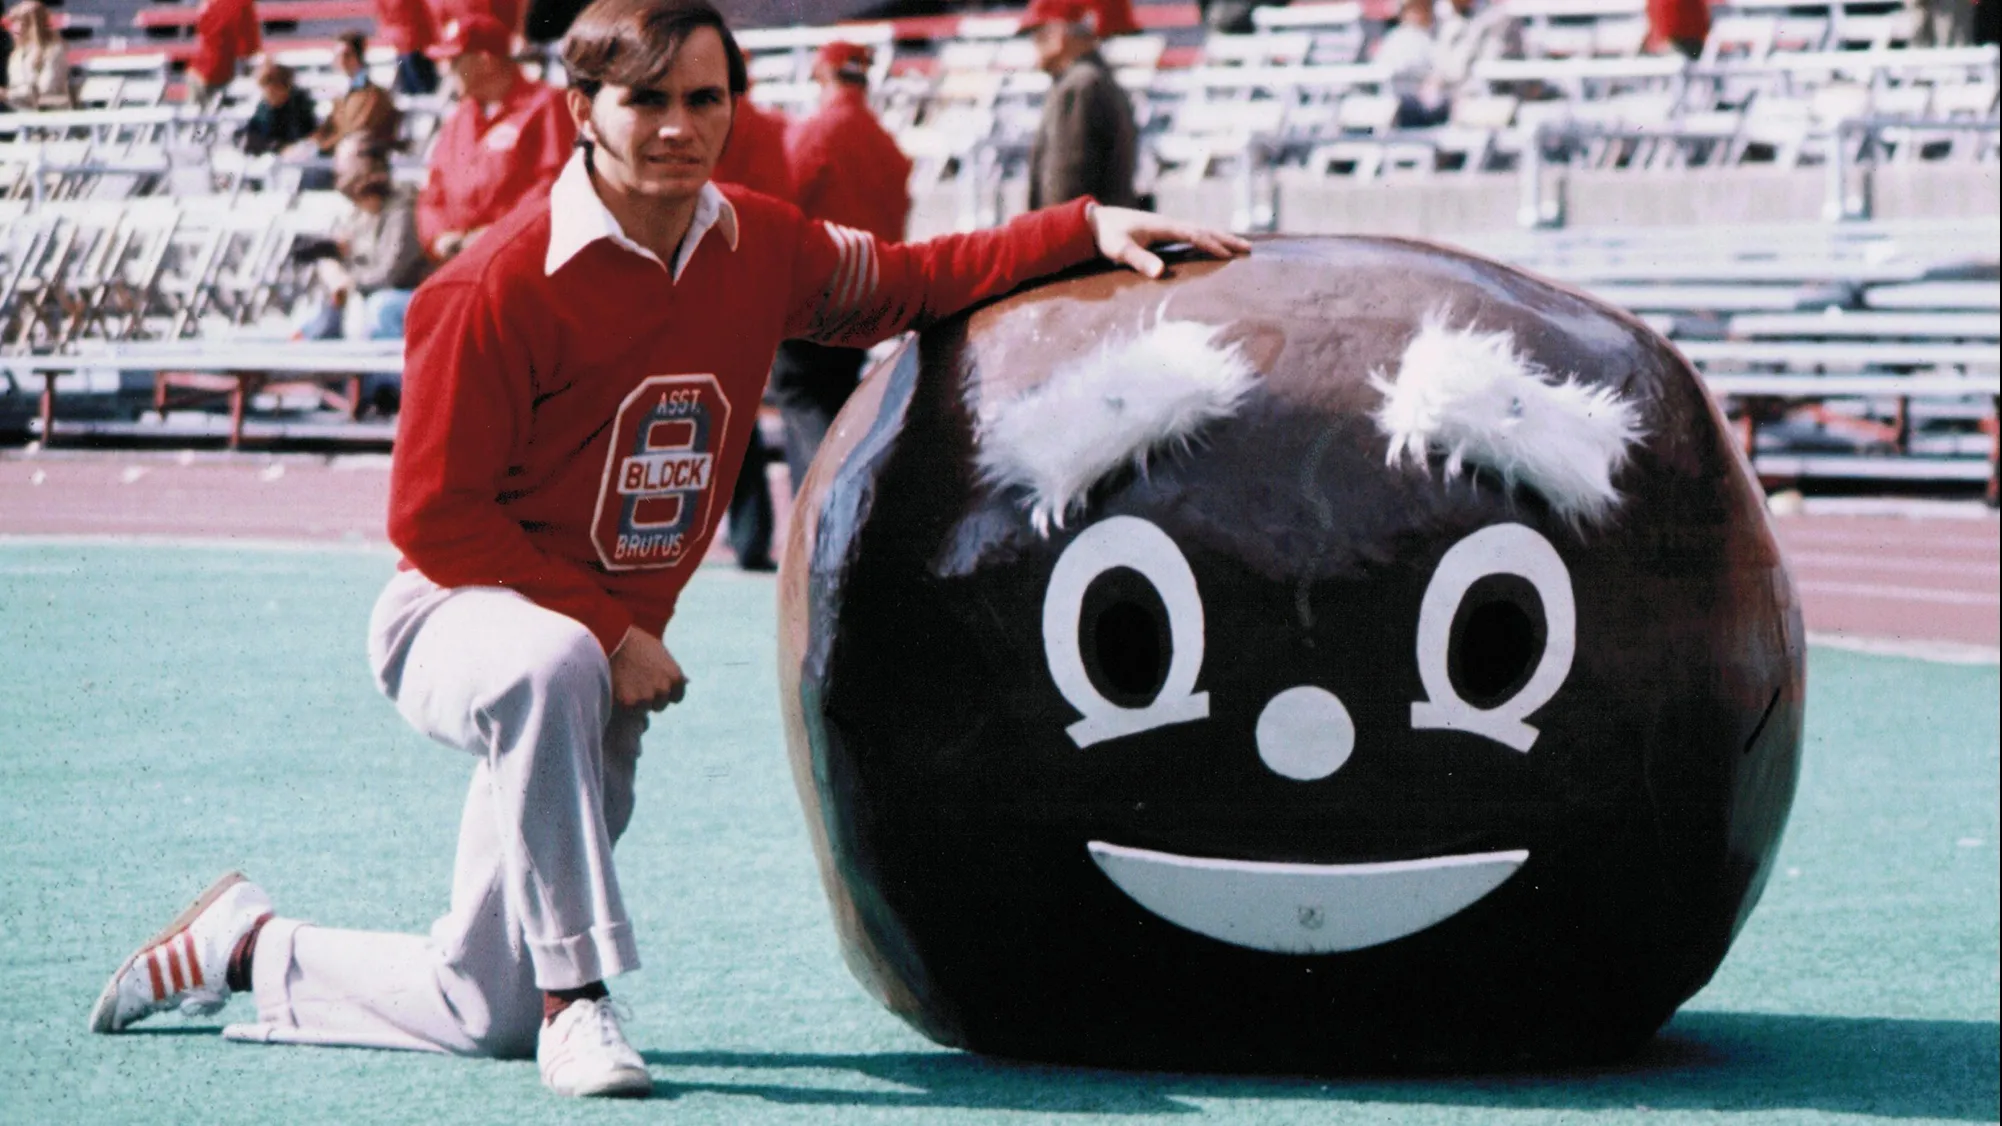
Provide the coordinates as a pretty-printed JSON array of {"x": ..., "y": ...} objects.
[{"x": 1449, "y": 206}]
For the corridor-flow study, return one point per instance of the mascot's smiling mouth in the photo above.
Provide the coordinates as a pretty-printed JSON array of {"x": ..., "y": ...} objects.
[{"x": 1303, "y": 908}]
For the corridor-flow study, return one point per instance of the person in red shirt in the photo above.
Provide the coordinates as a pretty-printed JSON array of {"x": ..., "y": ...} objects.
[
  {"x": 226, "y": 32},
  {"x": 1682, "y": 24},
  {"x": 755, "y": 157},
  {"x": 408, "y": 26},
  {"x": 502, "y": 144},
  {"x": 580, "y": 388},
  {"x": 850, "y": 172}
]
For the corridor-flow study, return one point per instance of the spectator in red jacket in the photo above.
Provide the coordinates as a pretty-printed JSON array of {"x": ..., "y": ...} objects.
[
  {"x": 1682, "y": 24},
  {"x": 226, "y": 32},
  {"x": 409, "y": 28},
  {"x": 754, "y": 157},
  {"x": 755, "y": 154},
  {"x": 501, "y": 145},
  {"x": 850, "y": 172}
]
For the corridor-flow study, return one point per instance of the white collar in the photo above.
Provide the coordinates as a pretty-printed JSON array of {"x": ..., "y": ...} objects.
[{"x": 578, "y": 218}]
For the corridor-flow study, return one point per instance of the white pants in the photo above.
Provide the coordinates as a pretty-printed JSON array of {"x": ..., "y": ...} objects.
[{"x": 535, "y": 900}]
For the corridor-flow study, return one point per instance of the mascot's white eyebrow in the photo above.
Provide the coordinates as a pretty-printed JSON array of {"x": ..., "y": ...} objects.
[
  {"x": 1476, "y": 399},
  {"x": 1112, "y": 408}
]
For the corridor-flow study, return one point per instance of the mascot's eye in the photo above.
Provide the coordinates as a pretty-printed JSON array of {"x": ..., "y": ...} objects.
[
  {"x": 1123, "y": 631},
  {"x": 1123, "y": 636},
  {"x": 1496, "y": 633}
]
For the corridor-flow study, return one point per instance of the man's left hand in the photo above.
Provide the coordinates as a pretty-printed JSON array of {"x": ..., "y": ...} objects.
[{"x": 1124, "y": 235}]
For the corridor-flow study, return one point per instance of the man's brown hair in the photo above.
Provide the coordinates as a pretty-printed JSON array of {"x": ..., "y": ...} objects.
[{"x": 634, "y": 42}]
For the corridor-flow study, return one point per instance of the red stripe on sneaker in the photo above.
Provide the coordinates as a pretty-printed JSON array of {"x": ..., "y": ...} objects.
[
  {"x": 153, "y": 968},
  {"x": 174, "y": 967},
  {"x": 194, "y": 965}
]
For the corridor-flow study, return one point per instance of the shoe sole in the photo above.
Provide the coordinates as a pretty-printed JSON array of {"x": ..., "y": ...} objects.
[
  {"x": 104, "y": 1014},
  {"x": 636, "y": 1087}
]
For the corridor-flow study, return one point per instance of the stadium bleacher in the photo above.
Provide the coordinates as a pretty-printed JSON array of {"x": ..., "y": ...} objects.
[{"x": 132, "y": 222}]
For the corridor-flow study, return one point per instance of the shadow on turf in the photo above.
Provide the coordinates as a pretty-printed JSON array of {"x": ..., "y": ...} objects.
[{"x": 1703, "y": 1061}]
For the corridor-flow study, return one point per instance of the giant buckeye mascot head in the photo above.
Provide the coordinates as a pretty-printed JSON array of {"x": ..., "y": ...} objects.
[{"x": 1355, "y": 655}]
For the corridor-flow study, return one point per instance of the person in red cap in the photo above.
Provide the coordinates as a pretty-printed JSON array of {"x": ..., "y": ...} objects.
[
  {"x": 850, "y": 172},
  {"x": 508, "y": 13},
  {"x": 502, "y": 144},
  {"x": 579, "y": 390},
  {"x": 1115, "y": 17},
  {"x": 409, "y": 27},
  {"x": 226, "y": 32},
  {"x": 1087, "y": 142}
]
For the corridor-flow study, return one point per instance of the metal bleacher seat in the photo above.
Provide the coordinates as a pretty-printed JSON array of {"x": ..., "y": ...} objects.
[
  {"x": 1874, "y": 32},
  {"x": 785, "y": 54},
  {"x": 1208, "y": 135},
  {"x": 1266, "y": 49},
  {"x": 1578, "y": 29},
  {"x": 1835, "y": 348},
  {"x": 1365, "y": 121},
  {"x": 1336, "y": 31},
  {"x": 1970, "y": 295},
  {"x": 1619, "y": 38},
  {"x": 1747, "y": 38}
]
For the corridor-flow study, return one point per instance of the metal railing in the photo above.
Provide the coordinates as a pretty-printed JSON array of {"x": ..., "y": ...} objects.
[
  {"x": 1851, "y": 167},
  {"x": 1854, "y": 150}
]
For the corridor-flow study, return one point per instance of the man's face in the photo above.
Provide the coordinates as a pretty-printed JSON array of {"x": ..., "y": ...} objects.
[
  {"x": 348, "y": 61},
  {"x": 662, "y": 142},
  {"x": 275, "y": 93}
]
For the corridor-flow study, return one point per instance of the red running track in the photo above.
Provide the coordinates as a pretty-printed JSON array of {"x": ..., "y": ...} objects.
[{"x": 1913, "y": 576}]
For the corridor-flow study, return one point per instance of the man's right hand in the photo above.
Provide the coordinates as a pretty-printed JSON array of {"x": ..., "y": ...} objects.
[{"x": 645, "y": 674}]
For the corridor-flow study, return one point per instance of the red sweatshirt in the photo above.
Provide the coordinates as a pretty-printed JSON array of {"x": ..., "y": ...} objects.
[
  {"x": 484, "y": 167},
  {"x": 408, "y": 26},
  {"x": 574, "y": 433},
  {"x": 225, "y": 31},
  {"x": 756, "y": 153},
  {"x": 849, "y": 169}
]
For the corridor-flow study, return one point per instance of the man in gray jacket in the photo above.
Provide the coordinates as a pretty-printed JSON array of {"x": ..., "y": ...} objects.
[{"x": 1087, "y": 142}]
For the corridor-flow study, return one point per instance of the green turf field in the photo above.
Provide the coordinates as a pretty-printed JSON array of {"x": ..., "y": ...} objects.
[{"x": 170, "y": 712}]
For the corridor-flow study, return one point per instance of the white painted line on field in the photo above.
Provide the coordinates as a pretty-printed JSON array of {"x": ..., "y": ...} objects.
[
  {"x": 1944, "y": 652},
  {"x": 1855, "y": 562},
  {"x": 1902, "y": 593},
  {"x": 1889, "y": 539},
  {"x": 247, "y": 543},
  {"x": 1905, "y": 507}
]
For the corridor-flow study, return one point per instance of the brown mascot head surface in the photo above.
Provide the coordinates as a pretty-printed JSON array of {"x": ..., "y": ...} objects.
[{"x": 1355, "y": 655}]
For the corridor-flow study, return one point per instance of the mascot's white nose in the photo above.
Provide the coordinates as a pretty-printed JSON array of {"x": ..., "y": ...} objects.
[{"x": 1305, "y": 733}]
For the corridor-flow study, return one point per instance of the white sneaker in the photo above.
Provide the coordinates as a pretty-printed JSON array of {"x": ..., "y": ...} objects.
[
  {"x": 184, "y": 966},
  {"x": 583, "y": 1052}
]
